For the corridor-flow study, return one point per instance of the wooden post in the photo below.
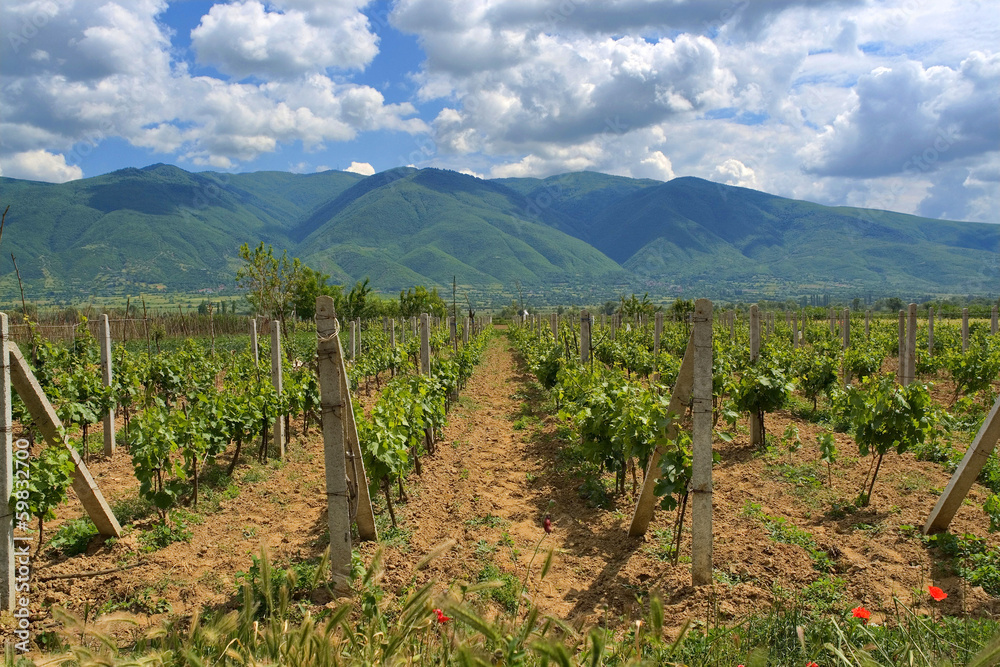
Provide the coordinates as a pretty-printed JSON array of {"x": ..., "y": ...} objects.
[
  {"x": 106, "y": 377},
  {"x": 930, "y": 330},
  {"x": 425, "y": 344},
  {"x": 253, "y": 340},
  {"x": 7, "y": 554},
  {"x": 465, "y": 331},
  {"x": 965, "y": 330},
  {"x": 453, "y": 332},
  {"x": 901, "y": 365},
  {"x": 353, "y": 349},
  {"x": 911, "y": 345},
  {"x": 332, "y": 408},
  {"x": 756, "y": 426},
  {"x": 967, "y": 472},
  {"x": 701, "y": 447},
  {"x": 584, "y": 336},
  {"x": 44, "y": 415},
  {"x": 276, "y": 381}
]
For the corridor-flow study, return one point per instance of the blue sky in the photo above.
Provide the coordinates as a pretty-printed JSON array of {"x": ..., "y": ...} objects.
[{"x": 889, "y": 104}]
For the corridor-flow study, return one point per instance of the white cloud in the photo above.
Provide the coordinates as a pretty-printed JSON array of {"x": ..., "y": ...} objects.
[
  {"x": 39, "y": 165},
  {"x": 734, "y": 172},
  {"x": 362, "y": 168},
  {"x": 248, "y": 39},
  {"x": 111, "y": 71},
  {"x": 657, "y": 166},
  {"x": 911, "y": 119}
]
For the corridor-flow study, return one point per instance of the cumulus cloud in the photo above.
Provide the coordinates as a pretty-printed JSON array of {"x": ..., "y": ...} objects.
[
  {"x": 39, "y": 165},
  {"x": 246, "y": 39},
  {"x": 734, "y": 172},
  {"x": 362, "y": 168},
  {"x": 657, "y": 166},
  {"x": 911, "y": 119},
  {"x": 78, "y": 73}
]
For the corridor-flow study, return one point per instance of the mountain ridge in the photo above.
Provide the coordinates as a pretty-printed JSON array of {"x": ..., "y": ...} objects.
[{"x": 577, "y": 233}]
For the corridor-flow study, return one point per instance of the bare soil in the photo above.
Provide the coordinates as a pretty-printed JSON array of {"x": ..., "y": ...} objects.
[{"x": 498, "y": 471}]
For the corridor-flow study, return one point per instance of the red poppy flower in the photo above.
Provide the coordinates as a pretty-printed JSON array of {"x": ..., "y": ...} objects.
[
  {"x": 862, "y": 613},
  {"x": 936, "y": 593},
  {"x": 811, "y": 664},
  {"x": 547, "y": 524},
  {"x": 441, "y": 617}
]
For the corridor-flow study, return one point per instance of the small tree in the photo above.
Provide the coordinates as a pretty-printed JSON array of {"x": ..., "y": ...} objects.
[
  {"x": 885, "y": 416},
  {"x": 763, "y": 387}
]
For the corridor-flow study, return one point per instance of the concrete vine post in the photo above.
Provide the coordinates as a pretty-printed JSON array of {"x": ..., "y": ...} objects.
[
  {"x": 846, "y": 329},
  {"x": 701, "y": 447},
  {"x": 584, "y": 337},
  {"x": 277, "y": 382},
  {"x": 965, "y": 330},
  {"x": 911, "y": 345},
  {"x": 332, "y": 409},
  {"x": 425, "y": 344},
  {"x": 106, "y": 378},
  {"x": 930, "y": 330},
  {"x": 993, "y": 321},
  {"x": 554, "y": 324},
  {"x": 756, "y": 426},
  {"x": 901, "y": 364},
  {"x": 7, "y": 553}
]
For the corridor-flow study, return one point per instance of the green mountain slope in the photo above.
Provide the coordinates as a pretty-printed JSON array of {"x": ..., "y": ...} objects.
[
  {"x": 579, "y": 233},
  {"x": 438, "y": 224},
  {"x": 694, "y": 231}
]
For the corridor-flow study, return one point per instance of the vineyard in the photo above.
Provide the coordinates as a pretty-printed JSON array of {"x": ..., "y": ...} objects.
[{"x": 504, "y": 482}]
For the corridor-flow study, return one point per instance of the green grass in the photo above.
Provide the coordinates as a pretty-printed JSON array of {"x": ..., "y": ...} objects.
[{"x": 780, "y": 530}]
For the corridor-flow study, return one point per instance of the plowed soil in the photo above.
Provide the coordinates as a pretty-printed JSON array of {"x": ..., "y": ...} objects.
[{"x": 499, "y": 469}]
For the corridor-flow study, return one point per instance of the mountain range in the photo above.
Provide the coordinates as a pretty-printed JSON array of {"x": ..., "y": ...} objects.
[{"x": 586, "y": 233}]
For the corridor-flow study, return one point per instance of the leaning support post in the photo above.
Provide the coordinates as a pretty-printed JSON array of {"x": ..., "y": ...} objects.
[
  {"x": 967, "y": 472},
  {"x": 679, "y": 400},
  {"x": 701, "y": 447},
  {"x": 332, "y": 407},
  {"x": 253, "y": 340},
  {"x": 355, "y": 463},
  {"x": 44, "y": 415},
  {"x": 106, "y": 377},
  {"x": 7, "y": 554},
  {"x": 276, "y": 381}
]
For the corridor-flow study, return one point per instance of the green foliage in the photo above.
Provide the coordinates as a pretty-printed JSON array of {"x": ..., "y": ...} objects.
[
  {"x": 73, "y": 536},
  {"x": 762, "y": 387},
  {"x": 174, "y": 529},
  {"x": 885, "y": 416}
]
